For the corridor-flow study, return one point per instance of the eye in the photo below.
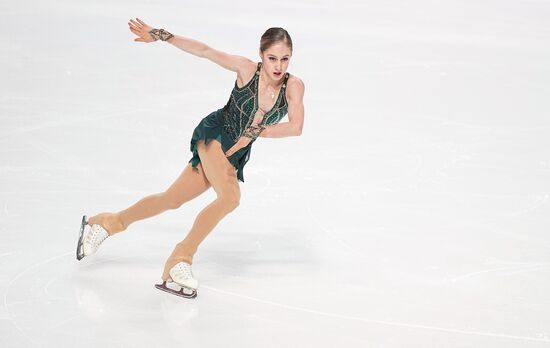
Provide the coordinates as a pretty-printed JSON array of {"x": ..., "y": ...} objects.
[{"x": 271, "y": 58}]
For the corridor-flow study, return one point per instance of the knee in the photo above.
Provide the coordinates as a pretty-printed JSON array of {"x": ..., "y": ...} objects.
[
  {"x": 171, "y": 202},
  {"x": 230, "y": 202}
]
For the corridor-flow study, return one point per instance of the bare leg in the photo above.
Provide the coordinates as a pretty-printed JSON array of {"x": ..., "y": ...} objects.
[
  {"x": 223, "y": 178},
  {"x": 187, "y": 186}
]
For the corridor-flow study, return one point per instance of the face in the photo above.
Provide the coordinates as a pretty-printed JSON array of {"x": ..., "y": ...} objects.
[{"x": 275, "y": 60}]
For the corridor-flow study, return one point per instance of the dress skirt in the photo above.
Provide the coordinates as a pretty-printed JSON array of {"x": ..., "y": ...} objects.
[{"x": 212, "y": 128}]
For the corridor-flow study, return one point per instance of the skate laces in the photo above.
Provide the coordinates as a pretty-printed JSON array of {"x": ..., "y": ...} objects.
[
  {"x": 183, "y": 270},
  {"x": 96, "y": 236}
]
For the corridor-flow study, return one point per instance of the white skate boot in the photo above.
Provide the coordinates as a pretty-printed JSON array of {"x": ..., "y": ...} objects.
[
  {"x": 182, "y": 275},
  {"x": 89, "y": 240}
]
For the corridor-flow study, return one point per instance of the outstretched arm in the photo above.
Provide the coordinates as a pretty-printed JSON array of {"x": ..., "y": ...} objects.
[
  {"x": 147, "y": 33},
  {"x": 225, "y": 60}
]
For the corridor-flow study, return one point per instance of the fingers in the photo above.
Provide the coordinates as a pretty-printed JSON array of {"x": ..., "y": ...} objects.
[
  {"x": 138, "y": 33},
  {"x": 141, "y": 22},
  {"x": 133, "y": 28},
  {"x": 138, "y": 29},
  {"x": 138, "y": 25}
]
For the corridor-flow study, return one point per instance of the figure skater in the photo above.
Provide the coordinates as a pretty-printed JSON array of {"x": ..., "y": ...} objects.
[{"x": 263, "y": 94}]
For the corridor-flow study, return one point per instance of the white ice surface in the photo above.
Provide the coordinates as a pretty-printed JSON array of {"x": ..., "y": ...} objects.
[{"x": 412, "y": 212}]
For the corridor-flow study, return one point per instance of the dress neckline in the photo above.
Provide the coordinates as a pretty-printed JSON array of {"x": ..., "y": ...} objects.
[{"x": 257, "y": 94}]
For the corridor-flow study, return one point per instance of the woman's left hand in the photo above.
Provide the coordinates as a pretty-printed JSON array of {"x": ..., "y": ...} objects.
[{"x": 242, "y": 142}]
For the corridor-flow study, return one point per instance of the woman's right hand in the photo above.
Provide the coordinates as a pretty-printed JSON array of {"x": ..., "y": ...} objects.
[{"x": 141, "y": 29}]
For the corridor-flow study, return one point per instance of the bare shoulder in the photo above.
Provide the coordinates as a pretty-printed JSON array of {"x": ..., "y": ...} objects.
[
  {"x": 245, "y": 65},
  {"x": 295, "y": 88},
  {"x": 295, "y": 96},
  {"x": 245, "y": 70}
]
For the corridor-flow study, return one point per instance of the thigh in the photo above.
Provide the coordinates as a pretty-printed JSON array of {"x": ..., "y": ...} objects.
[
  {"x": 188, "y": 185},
  {"x": 218, "y": 170}
]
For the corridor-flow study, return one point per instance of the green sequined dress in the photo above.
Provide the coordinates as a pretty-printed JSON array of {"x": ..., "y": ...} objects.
[{"x": 226, "y": 125}]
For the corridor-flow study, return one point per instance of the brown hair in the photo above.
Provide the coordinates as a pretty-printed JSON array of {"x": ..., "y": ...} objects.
[{"x": 274, "y": 35}]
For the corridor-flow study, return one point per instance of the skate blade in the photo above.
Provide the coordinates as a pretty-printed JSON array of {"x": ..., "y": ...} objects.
[
  {"x": 79, "y": 246},
  {"x": 180, "y": 292}
]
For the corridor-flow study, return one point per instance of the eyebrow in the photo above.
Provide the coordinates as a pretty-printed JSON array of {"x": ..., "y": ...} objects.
[{"x": 272, "y": 55}]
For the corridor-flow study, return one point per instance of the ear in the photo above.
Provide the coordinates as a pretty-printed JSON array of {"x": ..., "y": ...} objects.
[{"x": 260, "y": 53}]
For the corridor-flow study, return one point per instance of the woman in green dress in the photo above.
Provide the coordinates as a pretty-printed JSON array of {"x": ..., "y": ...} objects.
[{"x": 264, "y": 92}]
